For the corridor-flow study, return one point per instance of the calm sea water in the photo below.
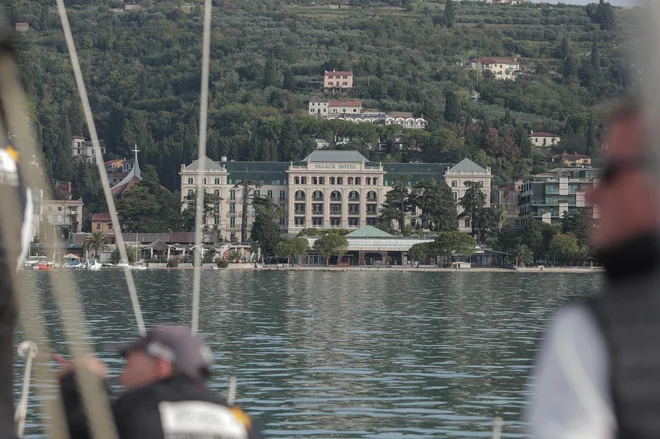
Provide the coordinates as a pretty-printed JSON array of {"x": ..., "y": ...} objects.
[{"x": 345, "y": 355}]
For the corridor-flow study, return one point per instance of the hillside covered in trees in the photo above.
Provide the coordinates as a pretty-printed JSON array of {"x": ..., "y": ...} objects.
[{"x": 142, "y": 69}]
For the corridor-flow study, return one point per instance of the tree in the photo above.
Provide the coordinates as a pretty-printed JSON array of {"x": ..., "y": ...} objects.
[
  {"x": 210, "y": 209},
  {"x": 396, "y": 206},
  {"x": 96, "y": 242},
  {"x": 452, "y": 112},
  {"x": 270, "y": 72},
  {"x": 533, "y": 238},
  {"x": 473, "y": 207},
  {"x": 579, "y": 224},
  {"x": 266, "y": 227},
  {"x": 448, "y": 243},
  {"x": 331, "y": 244},
  {"x": 523, "y": 255},
  {"x": 247, "y": 193},
  {"x": 115, "y": 256},
  {"x": 606, "y": 16},
  {"x": 564, "y": 247},
  {"x": 500, "y": 215},
  {"x": 420, "y": 252},
  {"x": 438, "y": 209},
  {"x": 591, "y": 135},
  {"x": 292, "y": 248},
  {"x": 449, "y": 13},
  {"x": 289, "y": 82}
]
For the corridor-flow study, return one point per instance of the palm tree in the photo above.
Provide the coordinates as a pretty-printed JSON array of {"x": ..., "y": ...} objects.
[
  {"x": 500, "y": 214},
  {"x": 96, "y": 242},
  {"x": 523, "y": 255}
]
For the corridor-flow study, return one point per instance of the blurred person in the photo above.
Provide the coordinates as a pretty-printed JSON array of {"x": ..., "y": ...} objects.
[
  {"x": 15, "y": 224},
  {"x": 165, "y": 395},
  {"x": 597, "y": 374}
]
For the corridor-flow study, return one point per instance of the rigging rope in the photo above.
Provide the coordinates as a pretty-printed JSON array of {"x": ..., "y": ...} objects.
[
  {"x": 82, "y": 91},
  {"x": 27, "y": 350},
  {"x": 201, "y": 164}
]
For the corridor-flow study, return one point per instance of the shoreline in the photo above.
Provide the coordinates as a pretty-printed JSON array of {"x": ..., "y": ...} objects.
[{"x": 391, "y": 269}]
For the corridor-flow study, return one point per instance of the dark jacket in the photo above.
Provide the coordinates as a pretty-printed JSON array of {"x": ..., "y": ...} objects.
[{"x": 138, "y": 413}]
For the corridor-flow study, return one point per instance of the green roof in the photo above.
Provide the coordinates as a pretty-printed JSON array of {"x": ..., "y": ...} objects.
[
  {"x": 369, "y": 232},
  {"x": 335, "y": 156},
  {"x": 271, "y": 173},
  {"x": 415, "y": 172}
]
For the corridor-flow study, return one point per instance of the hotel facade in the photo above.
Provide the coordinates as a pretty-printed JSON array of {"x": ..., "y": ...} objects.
[{"x": 328, "y": 189}]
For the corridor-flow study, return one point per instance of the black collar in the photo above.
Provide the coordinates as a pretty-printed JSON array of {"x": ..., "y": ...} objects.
[{"x": 635, "y": 258}]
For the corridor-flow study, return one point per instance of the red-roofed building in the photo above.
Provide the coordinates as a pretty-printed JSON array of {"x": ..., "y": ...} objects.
[
  {"x": 101, "y": 222},
  {"x": 345, "y": 106},
  {"x": 22, "y": 27},
  {"x": 335, "y": 80},
  {"x": 501, "y": 68},
  {"x": 544, "y": 140},
  {"x": 64, "y": 190}
]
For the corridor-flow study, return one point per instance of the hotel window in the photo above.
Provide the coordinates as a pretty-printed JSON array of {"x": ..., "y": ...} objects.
[
  {"x": 203, "y": 181},
  {"x": 282, "y": 221},
  {"x": 216, "y": 193},
  {"x": 317, "y": 221},
  {"x": 257, "y": 194},
  {"x": 467, "y": 223},
  {"x": 353, "y": 222},
  {"x": 368, "y": 180},
  {"x": 332, "y": 180},
  {"x": 375, "y": 181},
  {"x": 270, "y": 194},
  {"x": 296, "y": 180},
  {"x": 191, "y": 192},
  {"x": 217, "y": 181},
  {"x": 232, "y": 195},
  {"x": 303, "y": 180},
  {"x": 190, "y": 181},
  {"x": 334, "y": 222},
  {"x": 350, "y": 180},
  {"x": 232, "y": 222},
  {"x": 358, "y": 181},
  {"x": 216, "y": 220},
  {"x": 300, "y": 221},
  {"x": 282, "y": 195},
  {"x": 371, "y": 221},
  {"x": 340, "y": 180},
  {"x": 232, "y": 208},
  {"x": 454, "y": 183},
  {"x": 455, "y": 195},
  {"x": 315, "y": 180}
]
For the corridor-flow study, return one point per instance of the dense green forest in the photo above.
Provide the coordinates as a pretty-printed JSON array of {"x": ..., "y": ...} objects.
[{"x": 142, "y": 69}]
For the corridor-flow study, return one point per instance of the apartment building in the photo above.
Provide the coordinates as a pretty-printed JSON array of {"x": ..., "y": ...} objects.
[
  {"x": 548, "y": 196},
  {"x": 84, "y": 148},
  {"x": 544, "y": 140}
]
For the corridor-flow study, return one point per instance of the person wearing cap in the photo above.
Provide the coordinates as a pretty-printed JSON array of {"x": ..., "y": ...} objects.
[
  {"x": 165, "y": 393},
  {"x": 597, "y": 375}
]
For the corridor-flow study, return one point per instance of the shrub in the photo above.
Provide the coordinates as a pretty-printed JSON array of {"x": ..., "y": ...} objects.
[
  {"x": 173, "y": 263},
  {"x": 221, "y": 263}
]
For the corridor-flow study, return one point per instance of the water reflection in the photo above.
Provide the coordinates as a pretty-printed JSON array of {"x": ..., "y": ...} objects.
[{"x": 358, "y": 354}]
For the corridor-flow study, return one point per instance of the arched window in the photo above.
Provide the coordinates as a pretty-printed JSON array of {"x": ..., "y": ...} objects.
[
  {"x": 371, "y": 196},
  {"x": 358, "y": 181},
  {"x": 340, "y": 180},
  {"x": 368, "y": 181},
  {"x": 375, "y": 181},
  {"x": 297, "y": 180},
  {"x": 354, "y": 196},
  {"x": 454, "y": 183},
  {"x": 303, "y": 180},
  {"x": 332, "y": 180},
  {"x": 317, "y": 196},
  {"x": 350, "y": 180},
  {"x": 321, "y": 180},
  {"x": 300, "y": 195},
  {"x": 335, "y": 196}
]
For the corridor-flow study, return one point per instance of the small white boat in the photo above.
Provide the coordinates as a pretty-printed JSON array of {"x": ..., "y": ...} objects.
[
  {"x": 138, "y": 267},
  {"x": 92, "y": 264}
]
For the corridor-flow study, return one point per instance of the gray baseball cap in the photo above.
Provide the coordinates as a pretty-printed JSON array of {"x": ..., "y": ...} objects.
[{"x": 176, "y": 344}]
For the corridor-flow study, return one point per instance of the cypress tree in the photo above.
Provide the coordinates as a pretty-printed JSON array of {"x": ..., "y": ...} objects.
[
  {"x": 449, "y": 13},
  {"x": 452, "y": 107}
]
